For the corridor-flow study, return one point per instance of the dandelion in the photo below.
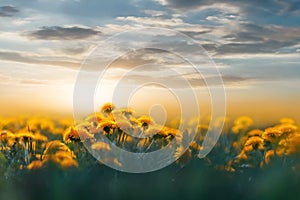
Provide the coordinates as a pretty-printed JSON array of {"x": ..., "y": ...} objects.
[
  {"x": 287, "y": 128},
  {"x": 271, "y": 134},
  {"x": 293, "y": 145},
  {"x": 237, "y": 128},
  {"x": 125, "y": 113},
  {"x": 107, "y": 125},
  {"x": 55, "y": 146},
  {"x": 255, "y": 132},
  {"x": 242, "y": 156},
  {"x": 124, "y": 124},
  {"x": 286, "y": 121},
  {"x": 195, "y": 146},
  {"x": 101, "y": 146},
  {"x": 235, "y": 144},
  {"x": 40, "y": 137},
  {"x": 63, "y": 160},
  {"x": 95, "y": 118},
  {"x": 25, "y": 136},
  {"x": 165, "y": 131},
  {"x": 152, "y": 130},
  {"x": 107, "y": 108},
  {"x": 6, "y": 136},
  {"x": 255, "y": 140},
  {"x": 36, "y": 164},
  {"x": 71, "y": 135},
  {"x": 145, "y": 121},
  {"x": 244, "y": 121},
  {"x": 268, "y": 156},
  {"x": 84, "y": 134}
]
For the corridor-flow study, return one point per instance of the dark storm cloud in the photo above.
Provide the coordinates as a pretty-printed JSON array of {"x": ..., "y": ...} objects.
[
  {"x": 8, "y": 11},
  {"x": 18, "y": 57},
  {"x": 62, "y": 33}
]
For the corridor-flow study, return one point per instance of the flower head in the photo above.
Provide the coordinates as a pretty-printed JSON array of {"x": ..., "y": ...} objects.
[
  {"x": 71, "y": 135},
  {"x": 107, "y": 108},
  {"x": 101, "y": 146}
]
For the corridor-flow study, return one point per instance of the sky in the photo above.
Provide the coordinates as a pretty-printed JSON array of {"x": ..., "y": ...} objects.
[{"x": 253, "y": 45}]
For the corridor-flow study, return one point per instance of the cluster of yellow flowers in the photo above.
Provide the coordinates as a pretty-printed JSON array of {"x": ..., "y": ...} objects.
[
  {"x": 123, "y": 129},
  {"x": 56, "y": 153},
  {"x": 258, "y": 148},
  {"x": 24, "y": 141},
  {"x": 32, "y": 143}
]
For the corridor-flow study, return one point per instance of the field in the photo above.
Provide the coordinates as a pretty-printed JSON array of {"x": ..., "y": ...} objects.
[{"x": 42, "y": 158}]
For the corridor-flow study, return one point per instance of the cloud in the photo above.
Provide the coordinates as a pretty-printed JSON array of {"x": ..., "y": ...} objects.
[
  {"x": 187, "y": 5},
  {"x": 22, "y": 58},
  {"x": 75, "y": 50},
  {"x": 257, "y": 39},
  {"x": 63, "y": 33},
  {"x": 182, "y": 81},
  {"x": 8, "y": 11}
]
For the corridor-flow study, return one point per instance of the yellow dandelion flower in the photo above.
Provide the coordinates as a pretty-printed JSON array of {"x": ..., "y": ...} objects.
[
  {"x": 255, "y": 132},
  {"x": 25, "y": 135},
  {"x": 293, "y": 145},
  {"x": 107, "y": 123},
  {"x": 244, "y": 121},
  {"x": 152, "y": 130},
  {"x": 254, "y": 140},
  {"x": 124, "y": 124},
  {"x": 54, "y": 146},
  {"x": 84, "y": 134},
  {"x": 95, "y": 118},
  {"x": 125, "y": 112},
  {"x": 242, "y": 156},
  {"x": 37, "y": 164},
  {"x": 107, "y": 108},
  {"x": 195, "y": 146},
  {"x": 38, "y": 156},
  {"x": 280, "y": 151},
  {"x": 6, "y": 135},
  {"x": 237, "y": 128},
  {"x": 229, "y": 167},
  {"x": 247, "y": 148},
  {"x": 271, "y": 134},
  {"x": 203, "y": 128},
  {"x": 165, "y": 131},
  {"x": 235, "y": 144},
  {"x": 101, "y": 146},
  {"x": 179, "y": 151},
  {"x": 40, "y": 137},
  {"x": 145, "y": 121},
  {"x": 71, "y": 134},
  {"x": 287, "y": 128},
  {"x": 269, "y": 155},
  {"x": 286, "y": 121},
  {"x": 128, "y": 139},
  {"x": 63, "y": 160}
]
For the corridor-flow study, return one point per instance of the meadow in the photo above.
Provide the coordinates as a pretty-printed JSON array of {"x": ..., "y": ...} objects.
[{"x": 43, "y": 158}]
